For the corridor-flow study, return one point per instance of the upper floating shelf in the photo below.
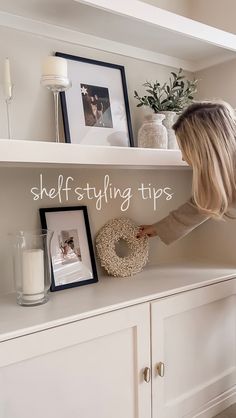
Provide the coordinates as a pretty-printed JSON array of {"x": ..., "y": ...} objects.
[
  {"x": 127, "y": 27},
  {"x": 142, "y": 25},
  {"x": 41, "y": 154}
]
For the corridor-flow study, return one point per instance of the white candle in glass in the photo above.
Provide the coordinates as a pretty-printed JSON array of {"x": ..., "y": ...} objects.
[
  {"x": 7, "y": 80},
  {"x": 55, "y": 66},
  {"x": 33, "y": 274}
]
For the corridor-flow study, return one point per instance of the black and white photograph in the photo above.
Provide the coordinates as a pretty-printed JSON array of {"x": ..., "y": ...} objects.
[
  {"x": 96, "y": 105},
  {"x": 73, "y": 262},
  {"x": 95, "y": 109},
  {"x": 69, "y": 245}
]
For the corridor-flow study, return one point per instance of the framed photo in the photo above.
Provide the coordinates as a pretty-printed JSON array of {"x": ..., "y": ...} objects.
[
  {"x": 95, "y": 109},
  {"x": 73, "y": 261}
]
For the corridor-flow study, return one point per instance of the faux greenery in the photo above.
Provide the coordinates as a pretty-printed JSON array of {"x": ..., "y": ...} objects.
[{"x": 174, "y": 96}]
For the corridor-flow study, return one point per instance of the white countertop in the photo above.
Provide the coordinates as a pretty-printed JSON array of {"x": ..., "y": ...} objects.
[{"x": 107, "y": 295}]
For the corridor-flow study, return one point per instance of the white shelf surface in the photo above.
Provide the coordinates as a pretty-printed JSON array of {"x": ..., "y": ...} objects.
[
  {"x": 164, "y": 32},
  {"x": 37, "y": 153},
  {"x": 106, "y": 295},
  {"x": 127, "y": 27}
]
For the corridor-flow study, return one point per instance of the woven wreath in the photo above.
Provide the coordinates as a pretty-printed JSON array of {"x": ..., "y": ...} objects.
[{"x": 106, "y": 240}]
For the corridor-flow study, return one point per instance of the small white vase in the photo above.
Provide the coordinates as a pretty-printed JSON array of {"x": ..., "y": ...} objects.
[
  {"x": 152, "y": 133},
  {"x": 168, "y": 123}
]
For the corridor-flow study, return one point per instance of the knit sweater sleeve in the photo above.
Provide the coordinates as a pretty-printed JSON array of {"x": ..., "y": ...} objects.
[{"x": 180, "y": 222}]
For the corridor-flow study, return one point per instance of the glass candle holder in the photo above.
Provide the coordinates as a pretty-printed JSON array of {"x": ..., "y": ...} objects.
[
  {"x": 32, "y": 266},
  {"x": 56, "y": 84}
]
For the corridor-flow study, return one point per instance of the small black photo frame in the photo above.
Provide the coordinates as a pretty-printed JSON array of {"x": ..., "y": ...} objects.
[
  {"x": 73, "y": 261},
  {"x": 95, "y": 109}
]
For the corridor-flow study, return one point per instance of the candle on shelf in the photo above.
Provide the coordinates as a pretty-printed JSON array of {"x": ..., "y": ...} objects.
[
  {"x": 33, "y": 274},
  {"x": 55, "y": 66},
  {"x": 7, "y": 80},
  {"x": 55, "y": 78}
]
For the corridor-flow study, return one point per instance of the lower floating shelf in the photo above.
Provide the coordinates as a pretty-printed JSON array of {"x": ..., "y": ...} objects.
[{"x": 39, "y": 154}]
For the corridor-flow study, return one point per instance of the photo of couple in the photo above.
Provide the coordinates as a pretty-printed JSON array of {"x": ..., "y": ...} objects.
[
  {"x": 69, "y": 246},
  {"x": 96, "y": 105}
]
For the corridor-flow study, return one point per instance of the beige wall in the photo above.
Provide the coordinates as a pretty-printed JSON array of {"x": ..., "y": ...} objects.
[
  {"x": 218, "y": 82},
  {"x": 32, "y": 118},
  {"x": 182, "y": 7},
  {"x": 32, "y": 108},
  {"x": 19, "y": 210},
  {"x": 220, "y": 14}
]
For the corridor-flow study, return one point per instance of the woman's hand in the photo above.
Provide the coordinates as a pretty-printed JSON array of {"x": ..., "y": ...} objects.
[{"x": 149, "y": 230}]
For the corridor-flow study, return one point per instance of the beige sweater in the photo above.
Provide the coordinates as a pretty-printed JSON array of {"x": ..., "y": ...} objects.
[{"x": 180, "y": 222}]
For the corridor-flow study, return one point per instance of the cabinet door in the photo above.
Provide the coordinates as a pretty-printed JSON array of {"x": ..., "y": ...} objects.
[
  {"x": 194, "y": 335},
  {"x": 86, "y": 369}
]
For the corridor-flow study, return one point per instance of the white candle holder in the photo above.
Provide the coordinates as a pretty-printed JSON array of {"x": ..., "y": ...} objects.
[
  {"x": 56, "y": 84},
  {"x": 32, "y": 266}
]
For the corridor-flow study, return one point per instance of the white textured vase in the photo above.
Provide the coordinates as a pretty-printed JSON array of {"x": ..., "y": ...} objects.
[
  {"x": 168, "y": 123},
  {"x": 152, "y": 133}
]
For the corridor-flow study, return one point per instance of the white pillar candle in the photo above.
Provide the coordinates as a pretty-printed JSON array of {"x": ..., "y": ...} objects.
[
  {"x": 55, "y": 66},
  {"x": 33, "y": 274},
  {"x": 7, "y": 79}
]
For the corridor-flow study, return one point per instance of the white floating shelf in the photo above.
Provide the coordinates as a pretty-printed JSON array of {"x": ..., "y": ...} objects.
[
  {"x": 37, "y": 153},
  {"x": 142, "y": 25},
  {"x": 126, "y": 27}
]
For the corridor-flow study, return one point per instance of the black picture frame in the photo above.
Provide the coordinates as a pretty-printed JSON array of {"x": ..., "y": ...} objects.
[
  {"x": 83, "y": 122},
  {"x": 73, "y": 260}
]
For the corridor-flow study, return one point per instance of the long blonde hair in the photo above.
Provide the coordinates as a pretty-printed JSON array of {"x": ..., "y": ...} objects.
[{"x": 206, "y": 133}]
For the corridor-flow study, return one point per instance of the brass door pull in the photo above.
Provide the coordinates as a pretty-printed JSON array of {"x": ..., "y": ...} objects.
[
  {"x": 161, "y": 369},
  {"x": 147, "y": 374}
]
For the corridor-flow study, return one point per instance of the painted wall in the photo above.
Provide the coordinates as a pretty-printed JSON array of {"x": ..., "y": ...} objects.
[
  {"x": 218, "y": 82},
  {"x": 182, "y": 7},
  {"x": 32, "y": 108},
  {"x": 32, "y": 118},
  {"x": 220, "y": 14},
  {"x": 20, "y": 211}
]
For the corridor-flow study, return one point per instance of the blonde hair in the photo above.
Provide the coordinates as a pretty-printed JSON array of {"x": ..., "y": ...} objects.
[{"x": 206, "y": 133}]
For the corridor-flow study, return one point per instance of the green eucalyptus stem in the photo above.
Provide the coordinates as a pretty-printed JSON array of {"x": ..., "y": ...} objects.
[{"x": 174, "y": 96}]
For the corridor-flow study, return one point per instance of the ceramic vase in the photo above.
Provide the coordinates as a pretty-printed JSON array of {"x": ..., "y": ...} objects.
[
  {"x": 152, "y": 133},
  {"x": 168, "y": 123}
]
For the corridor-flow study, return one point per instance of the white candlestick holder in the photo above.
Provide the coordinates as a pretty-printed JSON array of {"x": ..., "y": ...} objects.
[{"x": 56, "y": 84}]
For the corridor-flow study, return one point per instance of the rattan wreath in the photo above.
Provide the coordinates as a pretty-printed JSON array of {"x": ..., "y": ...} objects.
[{"x": 109, "y": 235}]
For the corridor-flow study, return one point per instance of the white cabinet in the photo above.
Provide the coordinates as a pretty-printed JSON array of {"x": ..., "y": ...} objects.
[
  {"x": 194, "y": 335},
  {"x": 86, "y": 369},
  {"x": 95, "y": 367}
]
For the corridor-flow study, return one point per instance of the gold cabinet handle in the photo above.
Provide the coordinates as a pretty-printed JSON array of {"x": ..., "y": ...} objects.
[
  {"x": 161, "y": 369},
  {"x": 147, "y": 374}
]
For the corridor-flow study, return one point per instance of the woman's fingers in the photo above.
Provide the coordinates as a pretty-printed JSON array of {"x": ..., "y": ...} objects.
[
  {"x": 148, "y": 230},
  {"x": 141, "y": 231}
]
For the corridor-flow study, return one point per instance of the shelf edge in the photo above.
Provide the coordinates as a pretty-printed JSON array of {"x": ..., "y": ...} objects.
[{"x": 70, "y": 36}]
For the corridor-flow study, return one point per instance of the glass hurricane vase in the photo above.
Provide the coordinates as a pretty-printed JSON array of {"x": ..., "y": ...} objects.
[{"x": 32, "y": 266}]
